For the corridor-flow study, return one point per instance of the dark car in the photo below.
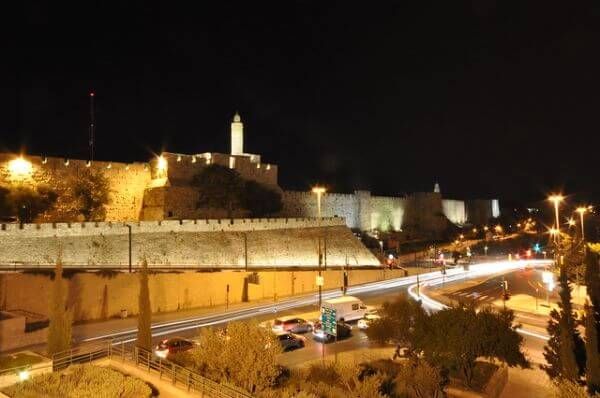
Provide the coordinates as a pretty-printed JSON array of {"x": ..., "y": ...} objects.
[
  {"x": 172, "y": 346},
  {"x": 292, "y": 324},
  {"x": 290, "y": 341},
  {"x": 344, "y": 330}
]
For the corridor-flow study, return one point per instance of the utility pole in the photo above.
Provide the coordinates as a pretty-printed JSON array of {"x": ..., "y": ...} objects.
[
  {"x": 129, "y": 236},
  {"x": 92, "y": 128}
]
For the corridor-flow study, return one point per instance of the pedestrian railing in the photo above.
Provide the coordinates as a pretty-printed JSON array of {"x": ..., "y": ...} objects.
[{"x": 178, "y": 375}]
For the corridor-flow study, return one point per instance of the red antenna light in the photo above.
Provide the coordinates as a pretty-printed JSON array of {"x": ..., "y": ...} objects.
[{"x": 92, "y": 94}]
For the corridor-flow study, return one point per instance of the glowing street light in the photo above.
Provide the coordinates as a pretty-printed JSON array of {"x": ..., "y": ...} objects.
[
  {"x": 556, "y": 199},
  {"x": 571, "y": 222},
  {"x": 20, "y": 168},
  {"x": 581, "y": 210}
]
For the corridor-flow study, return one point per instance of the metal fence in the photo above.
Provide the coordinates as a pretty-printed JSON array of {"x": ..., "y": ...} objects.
[{"x": 179, "y": 376}]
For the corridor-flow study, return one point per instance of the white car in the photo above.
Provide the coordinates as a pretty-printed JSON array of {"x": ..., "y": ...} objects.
[{"x": 366, "y": 321}]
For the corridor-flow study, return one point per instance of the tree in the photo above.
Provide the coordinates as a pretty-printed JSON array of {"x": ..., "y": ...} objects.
[
  {"x": 59, "y": 330},
  {"x": 25, "y": 202},
  {"x": 592, "y": 371},
  {"x": 565, "y": 350},
  {"x": 261, "y": 200},
  {"x": 592, "y": 321},
  {"x": 90, "y": 194},
  {"x": 219, "y": 187},
  {"x": 397, "y": 323},
  {"x": 144, "y": 334},
  {"x": 244, "y": 355},
  {"x": 455, "y": 337},
  {"x": 569, "y": 389},
  {"x": 592, "y": 282},
  {"x": 418, "y": 379}
]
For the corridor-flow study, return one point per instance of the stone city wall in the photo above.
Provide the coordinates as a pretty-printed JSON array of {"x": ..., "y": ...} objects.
[
  {"x": 94, "y": 297},
  {"x": 304, "y": 204},
  {"x": 186, "y": 243},
  {"x": 127, "y": 183},
  {"x": 455, "y": 211}
]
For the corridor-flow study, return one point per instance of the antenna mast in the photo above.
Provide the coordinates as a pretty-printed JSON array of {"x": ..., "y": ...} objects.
[{"x": 92, "y": 127}]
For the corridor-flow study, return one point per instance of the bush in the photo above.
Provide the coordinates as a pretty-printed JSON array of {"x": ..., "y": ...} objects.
[
  {"x": 246, "y": 356},
  {"x": 81, "y": 381}
]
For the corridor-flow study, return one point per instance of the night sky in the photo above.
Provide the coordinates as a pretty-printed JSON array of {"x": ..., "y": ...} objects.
[{"x": 491, "y": 99}]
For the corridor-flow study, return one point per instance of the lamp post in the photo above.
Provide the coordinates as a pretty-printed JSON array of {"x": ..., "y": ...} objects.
[
  {"x": 556, "y": 199},
  {"x": 581, "y": 210},
  {"x": 129, "y": 235},
  {"x": 319, "y": 191}
]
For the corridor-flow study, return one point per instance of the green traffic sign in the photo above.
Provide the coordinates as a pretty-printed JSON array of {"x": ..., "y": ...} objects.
[{"x": 328, "y": 321}]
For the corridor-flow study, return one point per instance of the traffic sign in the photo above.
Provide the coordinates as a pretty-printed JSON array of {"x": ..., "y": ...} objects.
[{"x": 328, "y": 321}]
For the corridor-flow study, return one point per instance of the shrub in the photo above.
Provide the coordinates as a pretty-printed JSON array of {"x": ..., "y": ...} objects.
[{"x": 81, "y": 381}]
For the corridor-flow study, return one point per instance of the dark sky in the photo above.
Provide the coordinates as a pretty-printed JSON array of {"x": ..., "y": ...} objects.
[{"x": 489, "y": 98}]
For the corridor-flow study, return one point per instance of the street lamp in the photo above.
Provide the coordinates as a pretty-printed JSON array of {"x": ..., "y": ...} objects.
[
  {"x": 556, "y": 199},
  {"x": 129, "y": 235},
  {"x": 581, "y": 210},
  {"x": 319, "y": 191}
]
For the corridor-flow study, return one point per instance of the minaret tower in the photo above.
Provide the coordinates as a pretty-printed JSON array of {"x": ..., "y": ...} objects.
[{"x": 237, "y": 135}]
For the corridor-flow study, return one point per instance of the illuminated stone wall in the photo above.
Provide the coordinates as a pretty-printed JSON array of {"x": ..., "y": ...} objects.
[
  {"x": 455, "y": 211},
  {"x": 187, "y": 243},
  {"x": 127, "y": 183},
  {"x": 421, "y": 212}
]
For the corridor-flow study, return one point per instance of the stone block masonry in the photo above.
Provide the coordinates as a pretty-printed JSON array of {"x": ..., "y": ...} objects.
[{"x": 223, "y": 243}]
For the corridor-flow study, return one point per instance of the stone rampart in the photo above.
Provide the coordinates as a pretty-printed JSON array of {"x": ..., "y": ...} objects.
[{"x": 228, "y": 243}]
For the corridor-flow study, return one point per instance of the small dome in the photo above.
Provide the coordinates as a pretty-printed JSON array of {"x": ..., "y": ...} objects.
[{"x": 237, "y": 118}]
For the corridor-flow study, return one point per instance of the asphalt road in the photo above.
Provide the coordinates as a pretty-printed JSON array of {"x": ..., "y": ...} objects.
[{"x": 373, "y": 294}]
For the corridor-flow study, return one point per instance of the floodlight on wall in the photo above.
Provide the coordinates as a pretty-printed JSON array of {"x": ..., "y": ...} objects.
[
  {"x": 268, "y": 167},
  {"x": 44, "y": 160},
  {"x": 109, "y": 166},
  {"x": 127, "y": 167},
  {"x": 20, "y": 167},
  {"x": 67, "y": 161},
  {"x": 258, "y": 165},
  {"x": 88, "y": 163},
  {"x": 231, "y": 162},
  {"x": 161, "y": 164},
  {"x": 179, "y": 158},
  {"x": 193, "y": 159}
]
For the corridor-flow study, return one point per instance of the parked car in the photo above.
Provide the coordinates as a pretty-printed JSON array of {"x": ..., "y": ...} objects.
[
  {"x": 173, "y": 345},
  {"x": 290, "y": 341},
  {"x": 344, "y": 330},
  {"x": 366, "y": 321},
  {"x": 292, "y": 324}
]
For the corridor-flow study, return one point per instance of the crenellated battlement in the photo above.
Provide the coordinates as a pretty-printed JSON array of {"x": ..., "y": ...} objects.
[{"x": 137, "y": 227}]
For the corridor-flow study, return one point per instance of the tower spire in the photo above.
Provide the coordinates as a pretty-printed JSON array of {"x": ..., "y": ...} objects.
[{"x": 237, "y": 135}]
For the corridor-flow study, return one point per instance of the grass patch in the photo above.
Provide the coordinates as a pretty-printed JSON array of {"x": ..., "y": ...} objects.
[{"x": 19, "y": 360}]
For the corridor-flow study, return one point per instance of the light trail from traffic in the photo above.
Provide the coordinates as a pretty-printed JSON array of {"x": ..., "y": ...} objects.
[
  {"x": 504, "y": 266},
  {"x": 431, "y": 278}
]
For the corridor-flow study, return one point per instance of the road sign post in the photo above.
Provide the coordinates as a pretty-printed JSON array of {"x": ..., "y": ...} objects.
[{"x": 328, "y": 325}]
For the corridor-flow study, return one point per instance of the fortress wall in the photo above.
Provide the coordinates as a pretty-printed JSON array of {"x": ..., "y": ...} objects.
[
  {"x": 127, "y": 182},
  {"x": 304, "y": 204},
  {"x": 455, "y": 211},
  {"x": 201, "y": 243},
  {"x": 182, "y": 168},
  {"x": 387, "y": 212},
  {"x": 93, "y": 297}
]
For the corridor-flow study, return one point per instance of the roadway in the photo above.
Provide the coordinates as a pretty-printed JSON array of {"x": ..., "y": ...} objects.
[{"x": 373, "y": 294}]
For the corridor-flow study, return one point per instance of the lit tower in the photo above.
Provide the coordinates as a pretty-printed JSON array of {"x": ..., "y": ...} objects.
[{"x": 237, "y": 135}]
